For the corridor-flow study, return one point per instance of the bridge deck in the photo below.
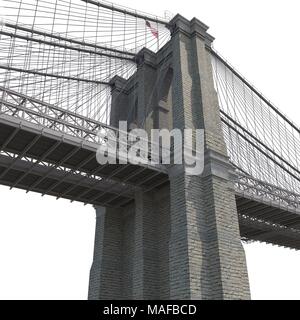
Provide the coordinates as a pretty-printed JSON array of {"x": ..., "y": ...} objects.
[
  {"x": 268, "y": 221},
  {"x": 43, "y": 160},
  {"x": 46, "y": 161}
]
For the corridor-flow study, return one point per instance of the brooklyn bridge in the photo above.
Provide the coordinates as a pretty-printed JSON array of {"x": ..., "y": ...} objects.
[{"x": 70, "y": 69}]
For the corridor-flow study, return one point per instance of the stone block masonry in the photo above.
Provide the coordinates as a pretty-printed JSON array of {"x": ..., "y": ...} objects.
[{"x": 182, "y": 241}]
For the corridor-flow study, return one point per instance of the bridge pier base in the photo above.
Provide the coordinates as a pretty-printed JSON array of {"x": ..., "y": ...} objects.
[
  {"x": 106, "y": 272},
  {"x": 207, "y": 259},
  {"x": 131, "y": 250},
  {"x": 182, "y": 242}
]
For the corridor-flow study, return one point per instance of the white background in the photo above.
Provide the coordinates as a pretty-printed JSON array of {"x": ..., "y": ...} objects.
[{"x": 46, "y": 246}]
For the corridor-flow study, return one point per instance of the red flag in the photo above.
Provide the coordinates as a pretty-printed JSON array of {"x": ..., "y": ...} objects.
[{"x": 153, "y": 30}]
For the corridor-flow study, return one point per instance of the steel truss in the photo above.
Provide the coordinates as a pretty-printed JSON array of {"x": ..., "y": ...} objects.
[
  {"x": 18, "y": 105},
  {"x": 253, "y": 187}
]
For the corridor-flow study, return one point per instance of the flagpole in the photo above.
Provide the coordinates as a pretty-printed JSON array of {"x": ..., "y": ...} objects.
[{"x": 157, "y": 36}]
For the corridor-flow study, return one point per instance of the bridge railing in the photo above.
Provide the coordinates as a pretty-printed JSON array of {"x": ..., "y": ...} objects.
[
  {"x": 262, "y": 190},
  {"x": 48, "y": 116},
  {"x": 18, "y": 105}
]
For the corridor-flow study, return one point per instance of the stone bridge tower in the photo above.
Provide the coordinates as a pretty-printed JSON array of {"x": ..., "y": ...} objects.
[{"x": 182, "y": 241}]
